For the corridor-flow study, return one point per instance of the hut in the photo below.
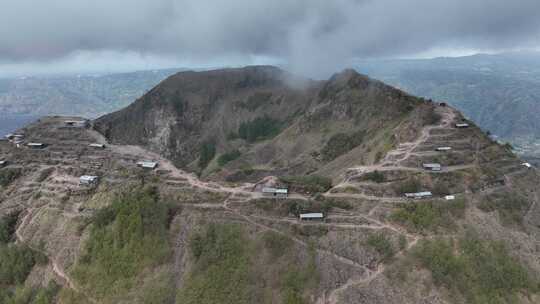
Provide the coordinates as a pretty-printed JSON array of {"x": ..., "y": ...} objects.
[
  {"x": 443, "y": 149},
  {"x": 147, "y": 164},
  {"x": 419, "y": 195},
  {"x": 311, "y": 216},
  {"x": 275, "y": 192},
  {"x": 462, "y": 125},
  {"x": 432, "y": 167},
  {"x": 97, "y": 146},
  {"x": 88, "y": 180},
  {"x": 36, "y": 145}
]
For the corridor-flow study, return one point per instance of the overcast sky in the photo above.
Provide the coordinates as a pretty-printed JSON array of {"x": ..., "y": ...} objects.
[{"x": 312, "y": 37}]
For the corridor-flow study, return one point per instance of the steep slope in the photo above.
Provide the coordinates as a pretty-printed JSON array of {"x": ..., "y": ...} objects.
[
  {"x": 166, "y": 236},
  {"x": 276, "y": 122}
]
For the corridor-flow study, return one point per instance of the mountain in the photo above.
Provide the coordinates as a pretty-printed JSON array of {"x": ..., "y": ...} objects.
[
  {"x": 206, "y": 227},
  {"x": 275, "y": 121},
  {"x": 84, "y": 95},
  {"x": 500, "y": 92}
]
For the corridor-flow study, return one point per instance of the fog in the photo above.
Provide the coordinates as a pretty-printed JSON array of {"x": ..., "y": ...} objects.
[{"x": 311, "y": 37}]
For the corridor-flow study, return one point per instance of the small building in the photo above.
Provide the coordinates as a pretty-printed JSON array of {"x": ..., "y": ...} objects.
[
  {"x": 432, "y": 167},
  {"x": 76, "y": 123},
  {"x": 443, "y": 149},
  {"x": 36, "y": 145},
  {"x": 462, "y": 125},
  {"x": 450, "y": 197},
  {"x": 443, "y": 104},
  {"x": 311, "y": 216},
  {"x": 275, "y": 192},
  {"x": 419, "y": 195},
  {"x": 3, "y": 163},
  {"x": 147, "y": 164},
  {"x": 88, "y": 180},
  {"x": 97, "y": 146},
  {"x": 528, "y": 165}
]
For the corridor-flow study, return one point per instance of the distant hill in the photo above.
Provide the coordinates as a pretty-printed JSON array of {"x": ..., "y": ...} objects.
[
  {"x": 499, "y": 92},
  {"x": 84, "y": 95}
]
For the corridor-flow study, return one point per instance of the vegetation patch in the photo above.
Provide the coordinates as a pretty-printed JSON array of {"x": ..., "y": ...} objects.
[
  {"x": 259, "y": 129},
  {"x": 409, "y": 186},
  {"x": 224, "y": 159},
  {"x": 27, "y": 295},
  {"x": 127, "y": 237},
  {"x": 375, "y": 176},
  {"x": 382, "y": 244},
  {"x": 429, "y": 215},
  {"x": 256, "y": 100},
  {"x": 8, "y": 175},
  {"x": 340, "y": 144},
  {"x": 277, "y": 244},
  {"x": 510, "y": 206},
  {"x": 308, "y": 183},
  {"x": 481, "y": 271},
  {"x": 207, "y": 154},
  {"x": 7, "y": 228},
  {"x": 16, "y": 262}
]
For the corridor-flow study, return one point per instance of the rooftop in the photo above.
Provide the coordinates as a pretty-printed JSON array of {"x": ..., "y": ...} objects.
[{"x": 311, "y": 215}]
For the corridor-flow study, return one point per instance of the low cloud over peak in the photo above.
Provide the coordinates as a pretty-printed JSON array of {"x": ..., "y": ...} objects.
[{"x": 314, "y": 37}]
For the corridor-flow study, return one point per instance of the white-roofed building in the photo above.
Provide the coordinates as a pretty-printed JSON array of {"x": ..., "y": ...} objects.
[
  {"x": 97, "y": 146},
  {"x": 424, "y": 194},
  {"x": 443, "y": 149},
  {"x": 88, "y": 180},
  {"x": 147, "y": 164},
  {"x": 528, "y": 165},
  {"x": 3, "y": 163},
  {"x": 432, "y": 167},
  {"x": 462, "y": 125},
  {"x": 275, "y": 192},
  {"x": 36, "y": 145},
  {"x": 450, "y": 197},
  {"x": 311, "y": 216}
]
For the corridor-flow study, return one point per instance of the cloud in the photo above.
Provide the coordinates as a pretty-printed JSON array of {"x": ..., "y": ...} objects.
[{"x": 314, "y": 36}]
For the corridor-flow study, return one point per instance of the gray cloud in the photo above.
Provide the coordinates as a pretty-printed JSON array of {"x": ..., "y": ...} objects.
[{"x": 313, "y": 36}]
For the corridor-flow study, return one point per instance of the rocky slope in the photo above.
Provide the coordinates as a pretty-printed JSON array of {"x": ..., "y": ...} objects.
[{"x": 168, "y": 236}]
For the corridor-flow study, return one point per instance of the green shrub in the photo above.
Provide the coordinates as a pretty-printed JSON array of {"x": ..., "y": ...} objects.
[
  {"x": 340, "y": 144},
  {"x": 126, "y": 237},
  {"x": 8, "y": 175},
  {"x": 429, "y": 215},
  {"x": 259, "y": 129},
  {"x": 375, "y": 176},
  {"x": 382, "y": 245},
  {"x": 409, "y": 186},
  {"x": 432, "y": 118},
  {"x": 16, "y": 262},
  {"x": 276, "y": 244},
  {"x": 256, "y": 100},
  {"x": 308, "y": 183},
  {"x": 228, "y": 157},
  {"x": 510, "y": 206},
  {"x": 7, "y": 227},
  {"x": 207, "y": 153},
  {"x": 221, "y": 270},
  {"x": 482, "y": 271}
]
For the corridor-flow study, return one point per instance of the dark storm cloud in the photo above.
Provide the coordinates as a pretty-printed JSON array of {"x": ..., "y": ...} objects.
[{"x": 314, "y": 36}]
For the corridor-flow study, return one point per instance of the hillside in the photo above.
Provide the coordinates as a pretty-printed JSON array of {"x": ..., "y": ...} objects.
[
  {"x": 168, "y": 235},
  {"x": 84, "y": 95},
  {"x": 499, "y": 92},
  {"x": 273, "y": 122}
]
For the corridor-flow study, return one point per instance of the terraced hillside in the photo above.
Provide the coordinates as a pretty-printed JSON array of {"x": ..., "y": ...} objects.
[{"x": 167, "y": 236}]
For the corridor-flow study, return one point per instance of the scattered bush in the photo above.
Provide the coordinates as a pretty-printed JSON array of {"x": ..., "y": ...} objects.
[
  {"x": 482, "y": 271},
  {"x": 429, "y": 215},
  {"x": 432, "y": 118},
  {"x": 258, "y": 129},
  {"x": 7, "y": 228},
  {"x": 340, "y": 144},
  {"x": 375, "y": 176},
  {"x": 207, "y": 153},
  {"x": 222, "y": 262},
  {"x": 382, "y": 245},
  {"x": 228, "y": 157},
  {"x": 8, "y": 175},
  {"x": 409, "y": 186},
  {"x": 510, "y": 206},
  {"x": 16, "y": 262},
  {"x": 126, "y": 237},
  {"x": 308, "y": 183},
  {"x": 276, "y": 244},
  {"x": 256, "y": 100}
]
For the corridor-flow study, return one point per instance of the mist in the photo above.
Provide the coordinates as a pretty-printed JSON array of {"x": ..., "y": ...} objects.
[{"x": 310, "y": 37}]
